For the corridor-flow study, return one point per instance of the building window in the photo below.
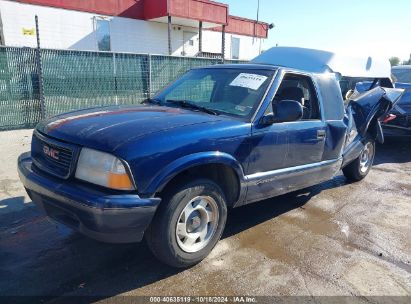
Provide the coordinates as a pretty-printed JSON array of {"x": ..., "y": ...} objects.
[
  {"x": 235, "y": 48},
  {"x": 102, "y": 30}
]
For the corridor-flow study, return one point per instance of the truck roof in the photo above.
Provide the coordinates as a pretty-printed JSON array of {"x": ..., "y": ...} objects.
[
  {"x": 243, "y": 66},
  {"x": 318, "y": 61}
]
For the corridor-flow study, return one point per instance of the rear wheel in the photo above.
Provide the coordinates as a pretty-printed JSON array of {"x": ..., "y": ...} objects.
[
  {"x": 359, "y": 168},
  {"x": 188, "y": 224}
]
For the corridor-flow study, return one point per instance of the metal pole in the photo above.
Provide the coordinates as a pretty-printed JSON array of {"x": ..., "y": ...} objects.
[
  {"x": 223, "y": 44},
  {"x": 40, "y": 70},
  {"x": 170, "y": 51},
  {"x": 200, "y": 37},
  {"x": 1, "y": 33},
  {"x": 115, "y": 77},
  {"x": 149, "y": 75},
  {"x": 256, "y": 23}
]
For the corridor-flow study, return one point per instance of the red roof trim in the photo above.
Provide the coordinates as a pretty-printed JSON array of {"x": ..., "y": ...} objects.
[
  {"x": 254, "y": 29},
  {"x": 247, "y": 19},
  {"x": 198, "y": 19},
  {"x": 201, "y": 10},
  {"x": 139, "y": 9},
  {"x": 123, "y": 8},
  {"x": 214, "y": 3}
]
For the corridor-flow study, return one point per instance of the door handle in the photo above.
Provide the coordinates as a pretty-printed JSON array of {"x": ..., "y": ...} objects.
[{"x": 321, "y": 134}]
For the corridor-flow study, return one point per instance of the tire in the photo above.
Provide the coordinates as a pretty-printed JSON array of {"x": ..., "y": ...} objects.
[
  {"x": 359, "y": 168},
  {"x": 196, "y": 209}
]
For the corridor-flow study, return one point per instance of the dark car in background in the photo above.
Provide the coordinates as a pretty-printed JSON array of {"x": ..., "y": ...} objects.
[
  {"x": 402, "y": 74},
  {"x": 400, "y": 125}
]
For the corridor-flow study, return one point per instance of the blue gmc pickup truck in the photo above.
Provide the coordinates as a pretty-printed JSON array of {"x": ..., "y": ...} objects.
[{"x": 216, "y": 138}]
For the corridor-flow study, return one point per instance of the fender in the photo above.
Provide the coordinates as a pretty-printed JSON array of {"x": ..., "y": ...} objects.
[
  {"x": 193, "y": 160},
  {"x": 371, "y": 106},
  {"x": 354, "y": 149}
]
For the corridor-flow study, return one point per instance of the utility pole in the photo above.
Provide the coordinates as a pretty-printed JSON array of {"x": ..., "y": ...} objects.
[
  {"x": 223, "y": 43},
  {"x": 256, "y": 23}
]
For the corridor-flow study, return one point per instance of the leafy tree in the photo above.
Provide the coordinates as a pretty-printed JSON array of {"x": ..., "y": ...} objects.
[{"x": 395, "y": 61}]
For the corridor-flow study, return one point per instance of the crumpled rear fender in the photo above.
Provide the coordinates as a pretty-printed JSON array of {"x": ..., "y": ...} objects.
[
  {"x": 372, "y": 106},
  {"x": 364, "y": 114}
]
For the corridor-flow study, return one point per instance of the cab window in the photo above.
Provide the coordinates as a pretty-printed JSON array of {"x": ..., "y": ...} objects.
[{"x": 300, "y": 88}]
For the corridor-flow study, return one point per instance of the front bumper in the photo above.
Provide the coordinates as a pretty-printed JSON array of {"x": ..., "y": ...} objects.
[{"x": 107, "y": 217}]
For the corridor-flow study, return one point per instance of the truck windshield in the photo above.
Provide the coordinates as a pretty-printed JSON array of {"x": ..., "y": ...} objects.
[{"x": 230, "y": 91}]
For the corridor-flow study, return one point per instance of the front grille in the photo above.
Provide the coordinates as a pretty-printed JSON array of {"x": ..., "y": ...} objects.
[{"x": 52, "y": 156}]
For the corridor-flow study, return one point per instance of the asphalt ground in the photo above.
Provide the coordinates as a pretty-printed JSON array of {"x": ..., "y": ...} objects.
[{"x": 333, "y": 239}]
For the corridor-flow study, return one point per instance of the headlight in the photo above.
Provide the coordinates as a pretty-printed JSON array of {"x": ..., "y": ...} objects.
[{"x": 103, "y": 169}]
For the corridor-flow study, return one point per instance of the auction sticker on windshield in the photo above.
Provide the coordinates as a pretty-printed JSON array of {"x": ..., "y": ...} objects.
[{"x": 249, "y": 81}]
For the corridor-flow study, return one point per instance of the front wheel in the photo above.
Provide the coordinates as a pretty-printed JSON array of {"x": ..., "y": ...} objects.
[
  {"x": 188, "y": 224},
  {"x": 359, "y": 168}
]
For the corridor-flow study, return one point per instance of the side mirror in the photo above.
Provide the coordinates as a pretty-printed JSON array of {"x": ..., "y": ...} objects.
[
  {"x": 288, "y": 110},
  {"x": 285, "y": 111},
  {"x": 267, "y": 119}
]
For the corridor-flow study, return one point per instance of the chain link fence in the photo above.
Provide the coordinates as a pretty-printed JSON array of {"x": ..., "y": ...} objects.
[
  {"x": 19, "y": 88},
  {"x": 80, "y": 79}
]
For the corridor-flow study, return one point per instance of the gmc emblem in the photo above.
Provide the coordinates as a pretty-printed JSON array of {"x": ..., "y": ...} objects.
[{"x": 51, "y": 152}]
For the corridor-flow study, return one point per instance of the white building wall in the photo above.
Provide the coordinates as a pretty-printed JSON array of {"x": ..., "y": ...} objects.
[
  {"x": 66, "y": 29},
  {"x": 249, "y": 46},
  {"x": 59, "y": 28}
]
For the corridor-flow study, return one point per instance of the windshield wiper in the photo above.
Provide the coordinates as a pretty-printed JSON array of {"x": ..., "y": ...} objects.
[
  {"x": 152, "y": 101},
  {"x": 190, "y": 105}
]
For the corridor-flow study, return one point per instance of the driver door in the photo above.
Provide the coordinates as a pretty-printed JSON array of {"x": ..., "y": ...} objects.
[
  {"x": 285, "y": 153},
  {"x": 306, "y": 137}
]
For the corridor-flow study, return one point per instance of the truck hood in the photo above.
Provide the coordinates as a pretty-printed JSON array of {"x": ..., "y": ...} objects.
[{"x": 108, "y": 128}]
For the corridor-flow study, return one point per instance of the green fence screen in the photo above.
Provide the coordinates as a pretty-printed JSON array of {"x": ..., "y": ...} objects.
[
  {"x": 80, "y": 79},
  {"x": 19, "y": 88}
]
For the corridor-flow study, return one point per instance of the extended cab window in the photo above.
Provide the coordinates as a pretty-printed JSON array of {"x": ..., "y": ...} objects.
[
  {"x": 300, "y": 88},
  {"x": 351, "y": 86},
  {"x": 348, "y": 84},
  {"x": 230, "y": 91}
]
